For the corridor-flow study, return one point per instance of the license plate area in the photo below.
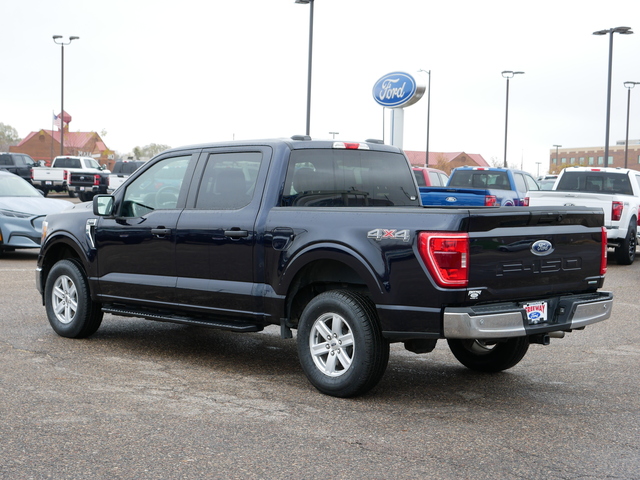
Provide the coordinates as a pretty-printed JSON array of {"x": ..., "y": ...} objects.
[{"x": 537, "y": 312}]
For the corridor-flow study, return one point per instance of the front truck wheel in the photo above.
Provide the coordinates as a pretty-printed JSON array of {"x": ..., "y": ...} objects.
[
  {"x": 484, "y": 356},
  {"x": 340, "y": 345},
  {"x": 626, "y": 252},
  {"x": 70, "y": 310}
]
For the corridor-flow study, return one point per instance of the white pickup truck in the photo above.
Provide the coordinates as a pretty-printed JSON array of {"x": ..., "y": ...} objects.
[
  {"x": 57, "y": 176},
  {"x": 615, "y": 190},
  {"x": 121, "y": 171}
]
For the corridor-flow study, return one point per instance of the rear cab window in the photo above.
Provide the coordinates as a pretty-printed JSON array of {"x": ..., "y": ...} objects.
[
  {"x": 348, "y": 178},
  {"x": 483, "y": 179},
  {"x": 597, "y": 181}
]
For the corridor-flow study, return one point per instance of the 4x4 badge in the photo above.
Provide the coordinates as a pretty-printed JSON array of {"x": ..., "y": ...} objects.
[{"x": 389, "y": 234}]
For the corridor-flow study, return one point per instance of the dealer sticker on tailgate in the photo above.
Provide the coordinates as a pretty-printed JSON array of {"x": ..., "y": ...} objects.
[{"x": 536, "y": 312}]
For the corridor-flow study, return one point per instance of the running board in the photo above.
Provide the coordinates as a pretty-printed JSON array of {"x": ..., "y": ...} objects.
[{"x": 220, "y": 324}]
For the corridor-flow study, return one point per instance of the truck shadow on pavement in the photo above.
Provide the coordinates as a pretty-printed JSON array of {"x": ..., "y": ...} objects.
[{"x": 266, "y": 359}]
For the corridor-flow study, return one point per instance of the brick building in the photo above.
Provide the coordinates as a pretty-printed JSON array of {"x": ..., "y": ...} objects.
[
  {"x": 446, "y": 161},
  {"x": 45, "y": 145},
  {"x": 594, "y": 156}
]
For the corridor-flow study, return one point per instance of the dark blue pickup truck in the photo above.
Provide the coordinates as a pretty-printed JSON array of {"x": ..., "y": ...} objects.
[
  {"x": 481, "y": 186},
  {"x": 328, "y": 238}
]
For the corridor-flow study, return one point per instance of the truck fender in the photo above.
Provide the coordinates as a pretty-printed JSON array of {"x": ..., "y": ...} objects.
[
  {"x": 65, "y": 245},
  {"x": 327, "y": 252}
]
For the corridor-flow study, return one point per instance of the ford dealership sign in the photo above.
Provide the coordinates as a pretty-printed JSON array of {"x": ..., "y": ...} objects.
[{"x": 396, "y": 90}]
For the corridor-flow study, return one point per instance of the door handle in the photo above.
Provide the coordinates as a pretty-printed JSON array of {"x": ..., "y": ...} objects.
[
  {"x": 236, "y": 233},
  {"x": 160, "y": 232}
]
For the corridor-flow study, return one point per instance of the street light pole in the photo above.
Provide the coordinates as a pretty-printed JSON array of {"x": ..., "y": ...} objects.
[
  {"x": 508, "y": 74},
  {"x": 611, "y": 31},
  {"x": 557, "y": 146},
  {"x": 629, "y": 86},
  {"x": 58, "y": 40},
  {"x": 428, "y": 72},
  {"x": 310, "y": 2}
]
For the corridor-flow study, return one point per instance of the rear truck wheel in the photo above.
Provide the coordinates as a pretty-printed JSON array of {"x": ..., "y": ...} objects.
[
  {"x": 485, "y": 356},
  {"x": 626, "y": 251},
  {"x": 72, "y": 194},
  {"x": 69, "y": 307},
  {"x": 340, "y": 345}
]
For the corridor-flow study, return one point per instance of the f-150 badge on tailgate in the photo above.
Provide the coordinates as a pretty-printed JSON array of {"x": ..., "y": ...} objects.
[{"x": 389, "y": 234}]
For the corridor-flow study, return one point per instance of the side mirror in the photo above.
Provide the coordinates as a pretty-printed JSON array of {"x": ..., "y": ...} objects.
[{"x": 103, "y": 205}]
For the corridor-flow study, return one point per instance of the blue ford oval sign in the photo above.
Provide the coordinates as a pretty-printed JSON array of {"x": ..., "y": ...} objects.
[
  {"x": 397, "y": 89},
  {"x": 541, "y": 248}
]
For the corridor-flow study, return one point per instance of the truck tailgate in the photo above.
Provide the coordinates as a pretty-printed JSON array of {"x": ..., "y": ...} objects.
[
  {"x": 452, "y": 197},
  {"x": 570, "y": 199},
  {"x": 534, "y": 251}
]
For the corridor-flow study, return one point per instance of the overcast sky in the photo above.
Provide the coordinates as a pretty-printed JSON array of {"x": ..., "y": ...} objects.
[{"x": 179, "y": 73}]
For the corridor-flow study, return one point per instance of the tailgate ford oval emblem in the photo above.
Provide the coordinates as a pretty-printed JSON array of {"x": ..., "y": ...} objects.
[
  {"x": 451, "y": 199},
  {"x": 541, "y": 248}
]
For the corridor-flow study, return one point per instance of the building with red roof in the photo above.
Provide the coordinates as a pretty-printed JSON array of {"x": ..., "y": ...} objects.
[
  {"x": 45, "y": 144},
  {"x": 446, "y": 161}
]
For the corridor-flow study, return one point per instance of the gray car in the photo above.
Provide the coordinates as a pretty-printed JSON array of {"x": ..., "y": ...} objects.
[{"x": 22, "y": 211}]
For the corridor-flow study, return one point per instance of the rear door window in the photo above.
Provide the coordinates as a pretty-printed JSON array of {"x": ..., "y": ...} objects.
[{"x": 228, "y": 181}]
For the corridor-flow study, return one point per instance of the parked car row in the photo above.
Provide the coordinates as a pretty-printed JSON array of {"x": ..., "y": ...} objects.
[
  {"x": 24, "y": 184},
  {"x": 78, "y": 176},
  {"x": 615, "y": 190}
]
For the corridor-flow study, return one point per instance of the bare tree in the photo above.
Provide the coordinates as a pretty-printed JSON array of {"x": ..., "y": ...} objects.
[
  {"x": 8, "y": 137},
  {"x": 149, "y": 151}
]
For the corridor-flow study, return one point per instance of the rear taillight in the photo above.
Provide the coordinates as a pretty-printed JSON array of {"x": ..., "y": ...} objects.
[
  {"x": 603, "y": 257},
  {"x": 65, "y": 175},
  {"x": 446, "y": 256},
  {"x": 490, "y": 201},
  {"x": 525, "y": 202},
  {"x": 616, "y": 210},
  {"x": 96, "y": 179}
]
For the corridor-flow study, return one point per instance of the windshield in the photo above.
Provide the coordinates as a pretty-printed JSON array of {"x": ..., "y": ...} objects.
[
  {"x": 14, "y": 186},
  {"x": 341, "y": 178}
]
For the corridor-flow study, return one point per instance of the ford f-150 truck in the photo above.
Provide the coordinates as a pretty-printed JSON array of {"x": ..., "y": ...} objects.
[
  {"x": 57, "y": 177},
  {"x": 328, "y": 238},
  {"x": 615, "y": 190},
  {"x": 481, "y": 186},
  {"x": 87, "y": 184}
]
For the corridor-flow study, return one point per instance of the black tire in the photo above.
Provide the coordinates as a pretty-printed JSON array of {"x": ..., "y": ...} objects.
[
  {"x": 85, "y": 196},
  {"x": 45, "y": 191},
  {"x": 484, "y": 356},
  {"x": 72, "y": 194},
  {"x": 68, "y": 303},
  {"x": 354, "y": 359},
  {"x": 626, "y": 252}
]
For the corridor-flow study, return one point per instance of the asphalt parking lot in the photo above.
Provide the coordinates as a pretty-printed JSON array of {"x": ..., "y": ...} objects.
[{"x": 149, "y": 400}]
